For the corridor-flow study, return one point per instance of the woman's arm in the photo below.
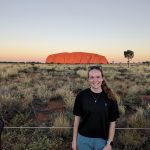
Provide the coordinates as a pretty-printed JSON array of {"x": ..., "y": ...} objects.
[
  {"x": 111, "y": 131},
  {"x": 75, "y": 132},
  {"x": 111, "y": 134}
]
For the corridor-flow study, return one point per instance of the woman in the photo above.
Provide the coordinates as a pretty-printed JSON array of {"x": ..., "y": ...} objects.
[{"x": 95, "y": 111}]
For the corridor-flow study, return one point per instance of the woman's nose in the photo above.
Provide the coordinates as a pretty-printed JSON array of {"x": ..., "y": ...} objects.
[{"x": 95, "y": 79}]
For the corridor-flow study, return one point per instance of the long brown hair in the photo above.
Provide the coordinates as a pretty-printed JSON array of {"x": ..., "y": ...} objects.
[{"x": 110, "y": 93}]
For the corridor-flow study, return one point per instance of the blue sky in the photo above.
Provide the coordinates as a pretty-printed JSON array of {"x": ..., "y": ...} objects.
[{"x": 30, "y": 30}]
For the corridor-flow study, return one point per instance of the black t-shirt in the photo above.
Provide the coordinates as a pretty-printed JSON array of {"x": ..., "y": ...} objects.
[{"x": 96, "y": 112}]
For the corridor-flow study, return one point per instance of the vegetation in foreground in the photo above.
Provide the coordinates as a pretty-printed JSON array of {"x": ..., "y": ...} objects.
[{"x": 35, "y": 95}]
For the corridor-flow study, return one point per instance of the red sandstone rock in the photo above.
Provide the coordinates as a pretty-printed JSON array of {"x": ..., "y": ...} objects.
[{"x": 76, "y": 58}]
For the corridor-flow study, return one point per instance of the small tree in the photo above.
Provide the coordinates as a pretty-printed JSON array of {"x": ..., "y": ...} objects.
[{"x": 129, "y": 55}]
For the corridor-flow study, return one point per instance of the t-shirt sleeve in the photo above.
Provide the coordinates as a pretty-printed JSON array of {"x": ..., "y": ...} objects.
[
  {"x": 113, "y": 111},
  {"x": 77, "y": 110}
]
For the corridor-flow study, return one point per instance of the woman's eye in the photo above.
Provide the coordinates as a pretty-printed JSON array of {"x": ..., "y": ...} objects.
[{"x": 91, "y": 78}]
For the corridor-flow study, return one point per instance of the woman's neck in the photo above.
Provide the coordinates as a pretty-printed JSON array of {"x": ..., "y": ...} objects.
[{"x": 98, "y": 90}]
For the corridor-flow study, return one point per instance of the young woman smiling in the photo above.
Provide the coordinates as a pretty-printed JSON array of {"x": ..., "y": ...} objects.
[{"x": 95, "y": 111}]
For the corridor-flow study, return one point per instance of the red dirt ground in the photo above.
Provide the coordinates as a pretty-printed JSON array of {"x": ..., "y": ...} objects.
[{"x": 45, "y": 111}]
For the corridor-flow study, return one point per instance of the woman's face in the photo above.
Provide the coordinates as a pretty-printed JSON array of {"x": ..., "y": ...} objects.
[{"x": 95, "y": 79}]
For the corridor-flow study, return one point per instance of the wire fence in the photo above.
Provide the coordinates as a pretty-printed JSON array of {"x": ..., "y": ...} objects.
[{"x": 69, "y": 128}]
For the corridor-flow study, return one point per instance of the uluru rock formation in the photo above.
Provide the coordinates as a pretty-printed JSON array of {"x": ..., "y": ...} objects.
[{"x": 76, "y": 58}]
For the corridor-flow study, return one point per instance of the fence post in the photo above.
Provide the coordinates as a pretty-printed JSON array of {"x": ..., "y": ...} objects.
[{"x": 1, "y": 129}]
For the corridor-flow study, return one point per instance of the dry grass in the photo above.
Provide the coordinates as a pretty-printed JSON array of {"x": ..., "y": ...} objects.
[
  {"x": 139, "y": 119},
  {"x": 131, "y": 139},
  {"x": 122, "y": 109},
  {"x": 67, "y": 96},
  {"x": 82, "y": 73},
  {"x": 9, "y": 71},
  {"x": 61, "y": 121},
  {"x": 21, "y": 83}
]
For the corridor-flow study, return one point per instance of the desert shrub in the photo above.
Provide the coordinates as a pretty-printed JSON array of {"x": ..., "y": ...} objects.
[
  {"x": 27, "y": 82},
  {"x": 28, "y": 97},
  {"x": 61, "y": 121},
  {"x": 69, "y": 100},
  {"x": 147, "y": 110},
  {"x": 119, "y": 78},
  {"x": 130, "y": 99},
  {"x": 80, "y": 67},
  {"x": 122, "y": 109},
  {"x": 139, "y": 120},
  {"x": 10, "y": 71},
  {"x": 42, "y": 143},
  {"x": 5, "y": 95},
  {"x": 71, "y": 73},
  {"x": 35, "y": 68},
  {"x": 77, "y": 84},
  {"x": 19, "y": 119},
  {"x": 8, "y": 100},
  {"x": 56, "y": 96},
  {"x": 83, "y": 82},
  {"x": 119, "y": 88},
  {"x": 22, "y": 139},
  {"x": 9, "y": 110},
  {"x": 131, "y": 139},
  {"x": 41, "y": 91},
  {"x": 77, "y": 87},
  {"x": 82, "y": 73},
  {"x": 122, "y": 70},
  {"x": 46, "y": 66},
  {"x": 134, "y": 89},
  {"x": 110, "y": 75},
  {"x": 60, "y": 93},
  {"x": 147, "y": 91},
  {"x": 67, "y": 96}
]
